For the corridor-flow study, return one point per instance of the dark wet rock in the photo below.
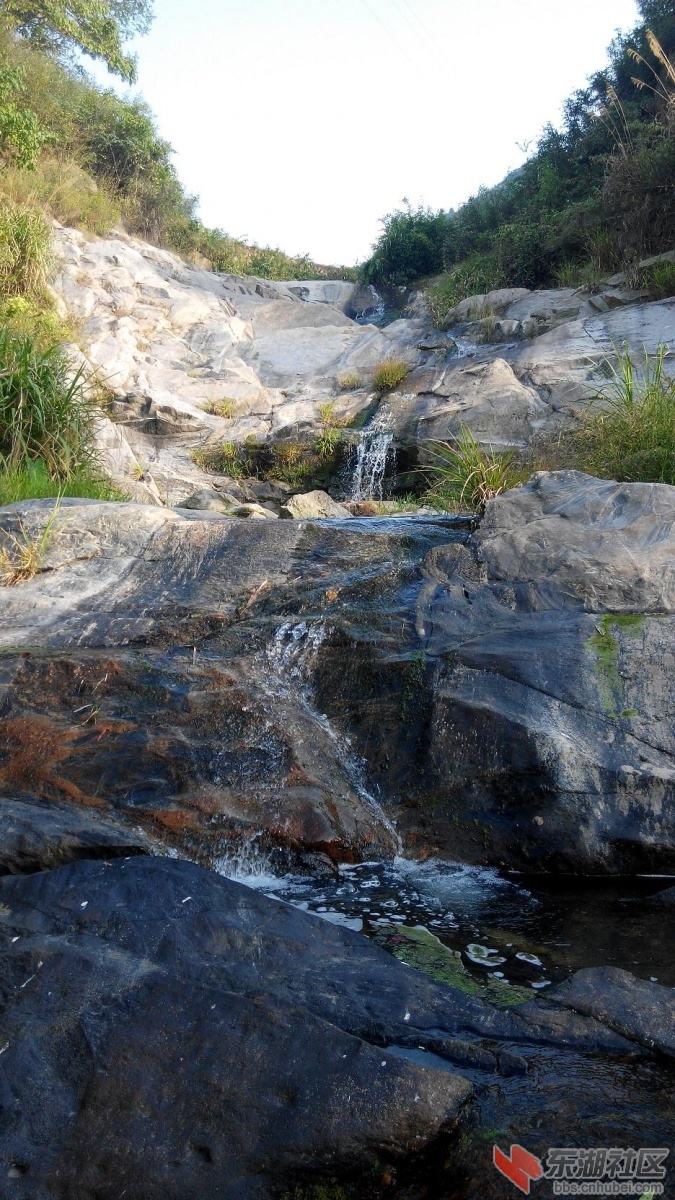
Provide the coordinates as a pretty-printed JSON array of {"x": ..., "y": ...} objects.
[
  {"x": 138, "y": 1060},
  {"x": 664, "y": 899},
  {"x": 168, "y": 1033},
  {"x": 36, "y": 837},
  {"x": 641, "y": 1011}
]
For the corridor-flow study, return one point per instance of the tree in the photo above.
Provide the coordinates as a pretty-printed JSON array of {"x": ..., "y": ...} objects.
[{"x": 97, "y": 28}]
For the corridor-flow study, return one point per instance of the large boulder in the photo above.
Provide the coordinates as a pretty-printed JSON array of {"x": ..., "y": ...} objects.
[
  {"x": 35, "y": 836},
  {"x": 140, "y": 1059},
  {"x": 168, "y": 1033},
  {"x": 530, "y": 711}
]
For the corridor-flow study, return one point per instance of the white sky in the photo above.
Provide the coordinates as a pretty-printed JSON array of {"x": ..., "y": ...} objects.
[{"x": 299, "y": 123}]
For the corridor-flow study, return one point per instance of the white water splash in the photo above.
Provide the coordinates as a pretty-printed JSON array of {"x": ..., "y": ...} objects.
[{"x": 373, "y": 451}]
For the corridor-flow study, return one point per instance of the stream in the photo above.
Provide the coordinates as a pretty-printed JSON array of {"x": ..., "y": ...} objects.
[{"x": 524, "y": 932}]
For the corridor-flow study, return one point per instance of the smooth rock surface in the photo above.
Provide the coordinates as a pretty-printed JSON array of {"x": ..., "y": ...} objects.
[
  {"x": 308, "y": 505},
  {"x": 38, "y": 836}
]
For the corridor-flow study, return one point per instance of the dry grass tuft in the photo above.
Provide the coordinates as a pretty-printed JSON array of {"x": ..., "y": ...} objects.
[{"x": 22, "y": 557}]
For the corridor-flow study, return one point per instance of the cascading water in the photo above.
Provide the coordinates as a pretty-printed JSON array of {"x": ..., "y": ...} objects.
[
  {"x": 286, "y": 667},
  {"x": 292, "y": 653},
  {"x": 372, "y": 454}
]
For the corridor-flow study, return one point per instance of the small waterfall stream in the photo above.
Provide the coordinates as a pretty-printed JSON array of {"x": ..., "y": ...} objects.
[
  {"x": 372, "y": 455},
  {"x": 286, "y": 666}
]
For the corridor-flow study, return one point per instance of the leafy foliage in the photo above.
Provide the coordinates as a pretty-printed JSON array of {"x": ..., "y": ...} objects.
[
  {"x": 97, "y": 28},
  {"x": 21, "y": 134},
  {"x": 600, "y": 192},
  {"x": 411, "y": 245}
]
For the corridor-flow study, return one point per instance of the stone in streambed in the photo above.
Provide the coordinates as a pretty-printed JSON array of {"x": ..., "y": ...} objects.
[
  {"x": 309, "y": 506},
  {"x": 641, "y": 1011}
]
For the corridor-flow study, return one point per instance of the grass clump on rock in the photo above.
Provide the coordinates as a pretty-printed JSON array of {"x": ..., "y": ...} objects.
[
  {"x": 389, "y": 374},
  {"x": 629, "y": 434},
  {"x": 47, "y": 425},
  {"x": 47, "y": 413}
]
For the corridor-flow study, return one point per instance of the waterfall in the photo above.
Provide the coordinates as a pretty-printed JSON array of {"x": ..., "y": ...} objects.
[
  {"x": 372, "y": 454},
  {"x": 292, "y": 655}
]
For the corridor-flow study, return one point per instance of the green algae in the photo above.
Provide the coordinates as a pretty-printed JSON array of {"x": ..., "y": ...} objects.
[
  {"x": 605, "y": 646},
  {"x": 424, "y": 951}
]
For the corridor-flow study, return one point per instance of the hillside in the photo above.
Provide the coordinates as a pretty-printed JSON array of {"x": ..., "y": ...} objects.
[{"x": 596, "y": 196}]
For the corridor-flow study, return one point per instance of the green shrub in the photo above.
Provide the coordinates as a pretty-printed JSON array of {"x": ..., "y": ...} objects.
[
  {"x": 47, "y": 414},
  {"x": 629, "y": 434},
  {"x": 226, "y": 458},
  {"x": 389, "y": 374},
  {"x": 411, "y": 245},
  {"x": 21, "y": 134},
  {"x": 25, "y": 250},
  {"x": 466, "y": 475},
  {"x": 478, "y": 275},
  {"x": 292, "y": 462}
]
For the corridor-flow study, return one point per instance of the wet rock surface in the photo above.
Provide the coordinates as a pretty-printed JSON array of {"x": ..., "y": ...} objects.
[
  {"x": 37, "y": 836},
  {"x": 504, "y": 695},
  {"x": 172, "y": 1034}
]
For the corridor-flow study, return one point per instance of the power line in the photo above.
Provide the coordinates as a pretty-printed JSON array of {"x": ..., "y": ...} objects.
[
  {"x": 420, "y": 22},
  {"x": 393, "y": 39},
  {"x": 437, "y": 55}
]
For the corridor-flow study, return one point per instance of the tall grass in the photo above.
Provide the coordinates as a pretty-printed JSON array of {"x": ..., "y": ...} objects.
[
  {"x": 629, "y": 434},
  {"x": 46, "y": 411},
  {"x": 25, "y": 249},
  {"x": 466, "y": 475},
  {"x": 35, "y": 483}
]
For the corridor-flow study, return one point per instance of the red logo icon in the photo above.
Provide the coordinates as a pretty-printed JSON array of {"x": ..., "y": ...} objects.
[{"x": 521, "y": 1168}]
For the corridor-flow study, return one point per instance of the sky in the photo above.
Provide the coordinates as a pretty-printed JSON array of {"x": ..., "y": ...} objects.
[{"x": 300, "y": 123}]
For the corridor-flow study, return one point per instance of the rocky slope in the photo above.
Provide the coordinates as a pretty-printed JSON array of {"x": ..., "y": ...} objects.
[{"x": 171, "y": 342}]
